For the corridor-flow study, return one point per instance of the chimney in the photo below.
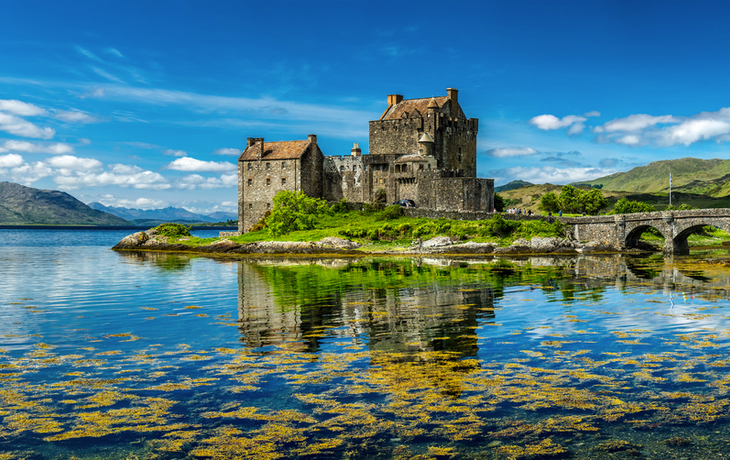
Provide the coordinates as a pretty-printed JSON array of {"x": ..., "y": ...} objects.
[
  {"x": 313, "y": 139},
  {"x": 258, "y": 144},
  {"x": 453, "y": 94},
  {"x": 356, "y": 152},
  {"x": 394, "y": 99},
  {"x": 250, "y": 141}
]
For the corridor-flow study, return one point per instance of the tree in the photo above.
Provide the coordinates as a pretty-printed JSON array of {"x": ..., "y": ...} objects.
[
  {"x": 549, "y": 203},
  {"x": 498, "y": 203},
  {"x": 569, "y": 199},
  {"x": 624, "y": 206},
  {"x": 593, "y": 201},
  {"x": 294, "y": 211}
]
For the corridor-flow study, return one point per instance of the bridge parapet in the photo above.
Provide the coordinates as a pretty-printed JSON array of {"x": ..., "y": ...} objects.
[{"x": 624, "y": 230}]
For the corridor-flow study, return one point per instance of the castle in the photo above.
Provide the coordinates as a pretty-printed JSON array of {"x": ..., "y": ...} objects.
[{"x": 423, "y": 150}]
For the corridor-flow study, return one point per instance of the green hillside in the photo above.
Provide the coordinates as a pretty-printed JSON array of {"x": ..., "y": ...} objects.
[
  {"x": 529, "y": 198},
  {"x": 20, "y": 205},
  {"x": 689, "y": 175}
]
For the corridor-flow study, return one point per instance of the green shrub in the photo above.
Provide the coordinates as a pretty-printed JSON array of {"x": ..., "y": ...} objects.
[
  {"x": 425, "y": 230},
  {"x": 261, "y": 224},
  {"x": 340, "y": 207},
  {"x": 294, "y": 211},
  {"x": 500, "y": 227},
  {"x": 624, "y": 206},
  {"x": 173, "y": 230},
  {"x": 391, "y": 213}
]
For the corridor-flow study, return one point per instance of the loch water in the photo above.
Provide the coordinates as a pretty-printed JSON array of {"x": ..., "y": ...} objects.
[{"x": 126, "y": 355}]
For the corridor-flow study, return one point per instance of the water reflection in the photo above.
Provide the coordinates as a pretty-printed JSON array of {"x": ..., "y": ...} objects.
[
  {"x": 388, "y": 305},
  {"x": 185, "y": 357}
]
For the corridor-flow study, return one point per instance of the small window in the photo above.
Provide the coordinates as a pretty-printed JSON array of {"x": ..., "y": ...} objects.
[
  {"x": 268, "y": 205},
  {"x": 342, "y": 169},
  {"x": 250, "y": 182},
  {"x": 250, "y": 206},
  {"x": 283, "y": 165},
  {"x": 283, "y": 181},
  {"x": 268, "y": 181},
  {"x": 250, "y": 166},
  {"x": 354, "y": 167},
  {"x": 268, "y": 165},
  {"x": 420, "y": 167}
]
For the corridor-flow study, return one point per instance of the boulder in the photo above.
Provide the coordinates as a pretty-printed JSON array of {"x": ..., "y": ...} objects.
[
  {"x": 436, "y": 242},
  {"x": 339, "y": 243},
  {"x": 135, "y": 240}
]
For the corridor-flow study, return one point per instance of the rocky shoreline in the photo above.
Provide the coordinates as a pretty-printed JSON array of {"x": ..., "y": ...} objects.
[{"x": 150, "y": 240}]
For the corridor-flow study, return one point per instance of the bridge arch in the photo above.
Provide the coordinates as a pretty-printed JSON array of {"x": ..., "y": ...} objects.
[
  {"x": 633, "y": 234},
  {"x": 684, "y": 228}
]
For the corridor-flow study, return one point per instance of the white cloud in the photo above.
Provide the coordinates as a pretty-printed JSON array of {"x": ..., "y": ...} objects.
[
  {"x": 592, "y": 113},
  {"x": 633, "y": 123},
  {"x": 74, "y": 116},
  {"x": 25, "y": 173},
  {"x": 667, "y": 130},
  {"x": 69, "y": 164},
  {"x": 175, "y": 153},
  {"x": 22, "y": 109},
  {"x": 20, "y": 127},
  {"x": 227, "y": 152},
  {"x": 120, "y": 175},
  {"x": 196, "y": 181},
  {"x": 114, "y": 52},
  {"x": 550, "y": 122},
  {"x": 11, "y": 160},
  {"x": 550, "y": 174},
  {"x": 510, "y": 152},
  {"x": 193, "y": 165},
  {"x": 139, "y": 203},
  {"x": 696, "y": 130},
  {"x": 32, "y": 147}
]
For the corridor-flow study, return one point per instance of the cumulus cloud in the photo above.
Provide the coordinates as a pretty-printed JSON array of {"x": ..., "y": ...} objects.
[
  {"x": 189, "y": 164},
  {"x": 666, "y": 130},
  {"x": 56, "y": 148},
  {"x": 574, "y": 123},
  {"x": 196, "y": 181},
  {"x": 120, "y": 175},
  {"x": 138, "y": 203},
  {"x": 502, "y": 152},
  {"x": 550, "y": 174},
  {"x": 227, "y": 152},
  {"x": 69, "y": 164},
  {"x": 11, "y": 161}
]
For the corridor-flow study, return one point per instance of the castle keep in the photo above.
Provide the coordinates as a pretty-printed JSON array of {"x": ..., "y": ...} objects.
[{"x": 420, "y": 149}]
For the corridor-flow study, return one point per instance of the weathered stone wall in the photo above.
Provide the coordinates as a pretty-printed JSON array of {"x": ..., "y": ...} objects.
[
  {"x": 259, "y": 182},
  {"x": 459, "y": 144},
  {"x": 345, "y": 177},
  {"x": 399, "y": 137}
]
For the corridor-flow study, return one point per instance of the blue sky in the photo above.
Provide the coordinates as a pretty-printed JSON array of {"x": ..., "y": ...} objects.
[{"x": 147, "y": 104}]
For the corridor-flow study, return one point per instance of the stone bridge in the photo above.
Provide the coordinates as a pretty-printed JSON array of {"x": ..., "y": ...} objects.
[{"x": 624, "y": 230}]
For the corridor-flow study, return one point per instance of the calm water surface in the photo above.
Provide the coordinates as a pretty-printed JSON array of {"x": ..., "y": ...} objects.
[{"x": 155, "y": 356}]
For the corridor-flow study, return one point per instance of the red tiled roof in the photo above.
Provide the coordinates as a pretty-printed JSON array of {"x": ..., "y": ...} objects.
[
  {"x": 283, "y": 150},
  {"x": 411, "y": 105}
]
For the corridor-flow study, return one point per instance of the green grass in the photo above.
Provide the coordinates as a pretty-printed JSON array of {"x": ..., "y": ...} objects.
[{"x": 376, "y": 232}]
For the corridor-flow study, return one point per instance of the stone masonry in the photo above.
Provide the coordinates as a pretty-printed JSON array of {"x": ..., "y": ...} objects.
[{"x": 419, "y": 149}]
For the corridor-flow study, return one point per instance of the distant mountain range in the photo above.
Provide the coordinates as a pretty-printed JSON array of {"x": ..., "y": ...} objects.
[
  {"x": 169, "y": 214},
  {"x": 21, "y": 205}
]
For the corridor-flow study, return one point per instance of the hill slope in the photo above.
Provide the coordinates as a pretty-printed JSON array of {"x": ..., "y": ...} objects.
[
  {"x": 21, "y": 205},
  {"x": 689, "y": 175}
]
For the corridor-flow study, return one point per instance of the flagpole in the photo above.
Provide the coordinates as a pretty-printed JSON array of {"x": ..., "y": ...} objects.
[{"x": 670, "y": 187}]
